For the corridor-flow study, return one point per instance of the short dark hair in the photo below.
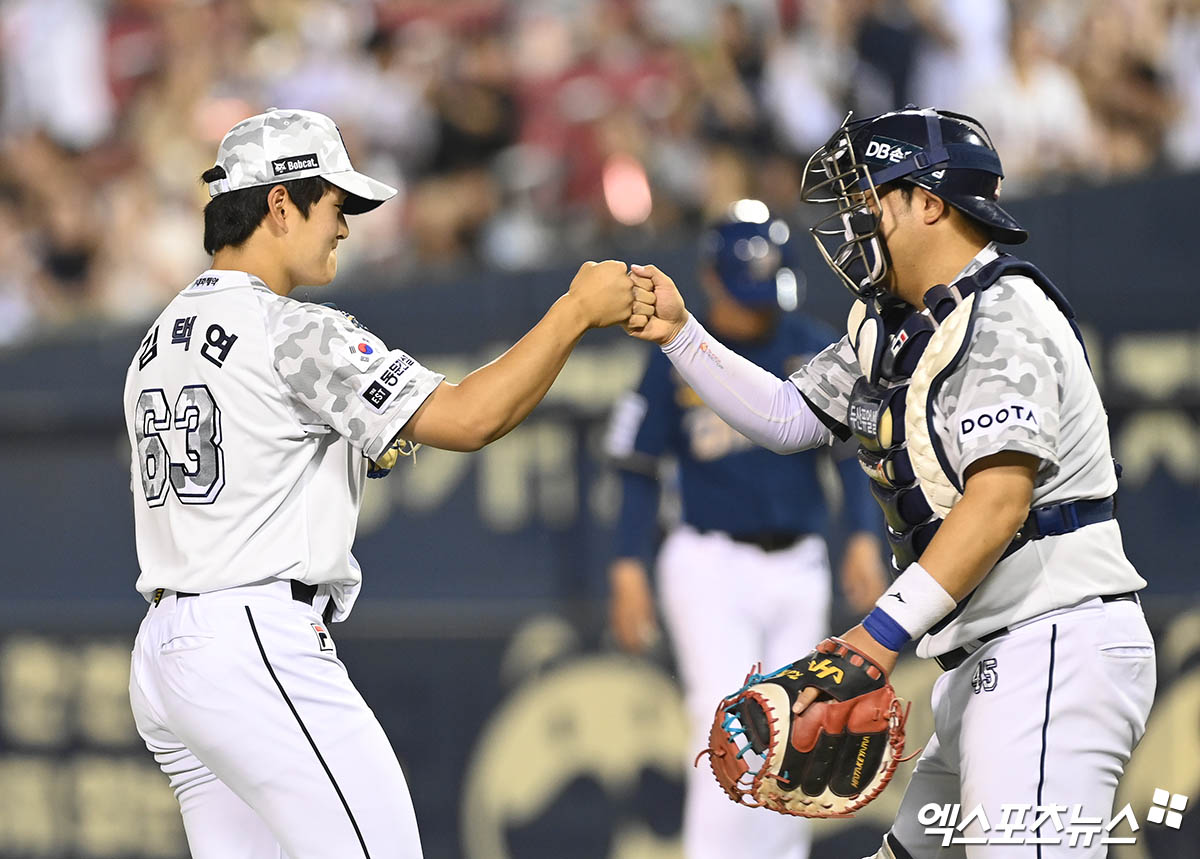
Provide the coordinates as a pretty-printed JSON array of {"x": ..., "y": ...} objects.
[
  {"x": 905, "y": 189},
  {"x": 230, "y": 218}
]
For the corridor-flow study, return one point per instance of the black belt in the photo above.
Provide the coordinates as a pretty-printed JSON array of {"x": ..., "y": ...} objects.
[
  {"x": 300, "y": 593},
  {"x": 956, "y": 657},
  {"x": 768, "y": 541}
]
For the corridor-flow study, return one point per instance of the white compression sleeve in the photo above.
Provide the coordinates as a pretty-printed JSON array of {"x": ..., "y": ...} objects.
[{"x": 766, "y": 409}]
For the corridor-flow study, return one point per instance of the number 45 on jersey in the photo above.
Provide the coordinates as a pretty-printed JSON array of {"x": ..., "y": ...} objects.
[{"x": 985, "y": 677}]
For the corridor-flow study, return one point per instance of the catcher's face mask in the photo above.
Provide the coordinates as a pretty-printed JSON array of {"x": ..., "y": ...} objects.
[
  {"x": 948, "y": 154},
  {"x": 849, "y": 238}
]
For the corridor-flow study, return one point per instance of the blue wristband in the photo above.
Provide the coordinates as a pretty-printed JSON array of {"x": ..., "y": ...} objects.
[{"x": 881, "y": 627}]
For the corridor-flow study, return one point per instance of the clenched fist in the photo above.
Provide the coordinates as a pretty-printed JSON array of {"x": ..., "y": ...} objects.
[
  {"x": 668, "y": 314},
  {"x": 605, "y": 294}
]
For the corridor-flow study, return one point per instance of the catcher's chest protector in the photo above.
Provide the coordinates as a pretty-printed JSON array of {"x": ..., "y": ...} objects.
[{"x": 904, "y": 359}]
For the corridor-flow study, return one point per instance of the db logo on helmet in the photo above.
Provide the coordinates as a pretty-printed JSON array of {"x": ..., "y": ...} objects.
[{"x": 886, "y": 151}]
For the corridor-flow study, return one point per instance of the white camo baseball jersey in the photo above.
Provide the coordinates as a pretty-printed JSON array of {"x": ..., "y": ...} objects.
[
  {"x": 251, "y": 416},
  {"x": 1027, "y": 359}
]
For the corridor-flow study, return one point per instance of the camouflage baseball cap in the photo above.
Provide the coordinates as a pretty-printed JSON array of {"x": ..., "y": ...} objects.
[{"x": 285, "y": 144}]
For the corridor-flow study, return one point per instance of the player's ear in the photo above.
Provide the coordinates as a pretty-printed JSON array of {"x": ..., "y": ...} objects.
[
  {"x": 933, "y": 208},
  {"x": 277, "y": 208}
]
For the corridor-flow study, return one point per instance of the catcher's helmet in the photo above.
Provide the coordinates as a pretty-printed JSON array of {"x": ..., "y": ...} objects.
[
  {"x": 751, "y": 255},
  {"x": 948, "y": 154}
]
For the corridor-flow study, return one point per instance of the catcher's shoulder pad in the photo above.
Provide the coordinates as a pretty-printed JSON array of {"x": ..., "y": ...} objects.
[{"x": 835, "y": 668}]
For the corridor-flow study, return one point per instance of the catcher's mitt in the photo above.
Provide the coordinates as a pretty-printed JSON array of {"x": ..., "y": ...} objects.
[{"x": 831, "y": 760}]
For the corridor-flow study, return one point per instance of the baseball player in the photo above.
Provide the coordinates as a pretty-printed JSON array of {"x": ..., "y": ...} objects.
[
  {"x": 252, "y": 418},
  {"x": 966, "y": 384},
  {"x": 751, "y": 522}
]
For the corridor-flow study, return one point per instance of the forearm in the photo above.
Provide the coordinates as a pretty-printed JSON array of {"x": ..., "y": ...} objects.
[
  {"x": 971, "y": 540},
  {"x": 766, "y": 409},
  {"x": 622, "y": 569},
  {"x": 502, "y": 393}
]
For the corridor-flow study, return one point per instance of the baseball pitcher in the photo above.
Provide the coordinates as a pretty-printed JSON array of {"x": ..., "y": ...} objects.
[{"x": 254, "y": 420}]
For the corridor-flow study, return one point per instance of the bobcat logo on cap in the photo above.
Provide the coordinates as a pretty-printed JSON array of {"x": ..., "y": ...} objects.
[{"x": 296, "y": 164}]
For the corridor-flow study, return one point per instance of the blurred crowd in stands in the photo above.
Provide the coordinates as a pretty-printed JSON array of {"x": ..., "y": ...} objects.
[{"x": 524, "y": 132}]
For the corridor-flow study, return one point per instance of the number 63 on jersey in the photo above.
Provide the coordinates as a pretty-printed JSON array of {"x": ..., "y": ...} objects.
[{"x": 199, "y": 476}]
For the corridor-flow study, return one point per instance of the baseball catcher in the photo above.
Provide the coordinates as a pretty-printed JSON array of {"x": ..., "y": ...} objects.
[
  {"x": 829, "y": 760},
  {"x": 964, "y": 378}
]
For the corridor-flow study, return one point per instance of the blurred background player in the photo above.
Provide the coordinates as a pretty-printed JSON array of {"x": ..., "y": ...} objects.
[{"x": 749, "y": 558}]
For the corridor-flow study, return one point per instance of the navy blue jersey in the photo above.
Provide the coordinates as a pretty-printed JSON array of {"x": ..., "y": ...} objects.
[{"x": 726, "y": 482}]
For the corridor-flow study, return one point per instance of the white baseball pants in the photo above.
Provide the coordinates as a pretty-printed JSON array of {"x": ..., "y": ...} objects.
[
  {"x": 1047, "y": 714},
  {"x": 271, "y": 751},
  {"x": 728, "y": 606}
]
